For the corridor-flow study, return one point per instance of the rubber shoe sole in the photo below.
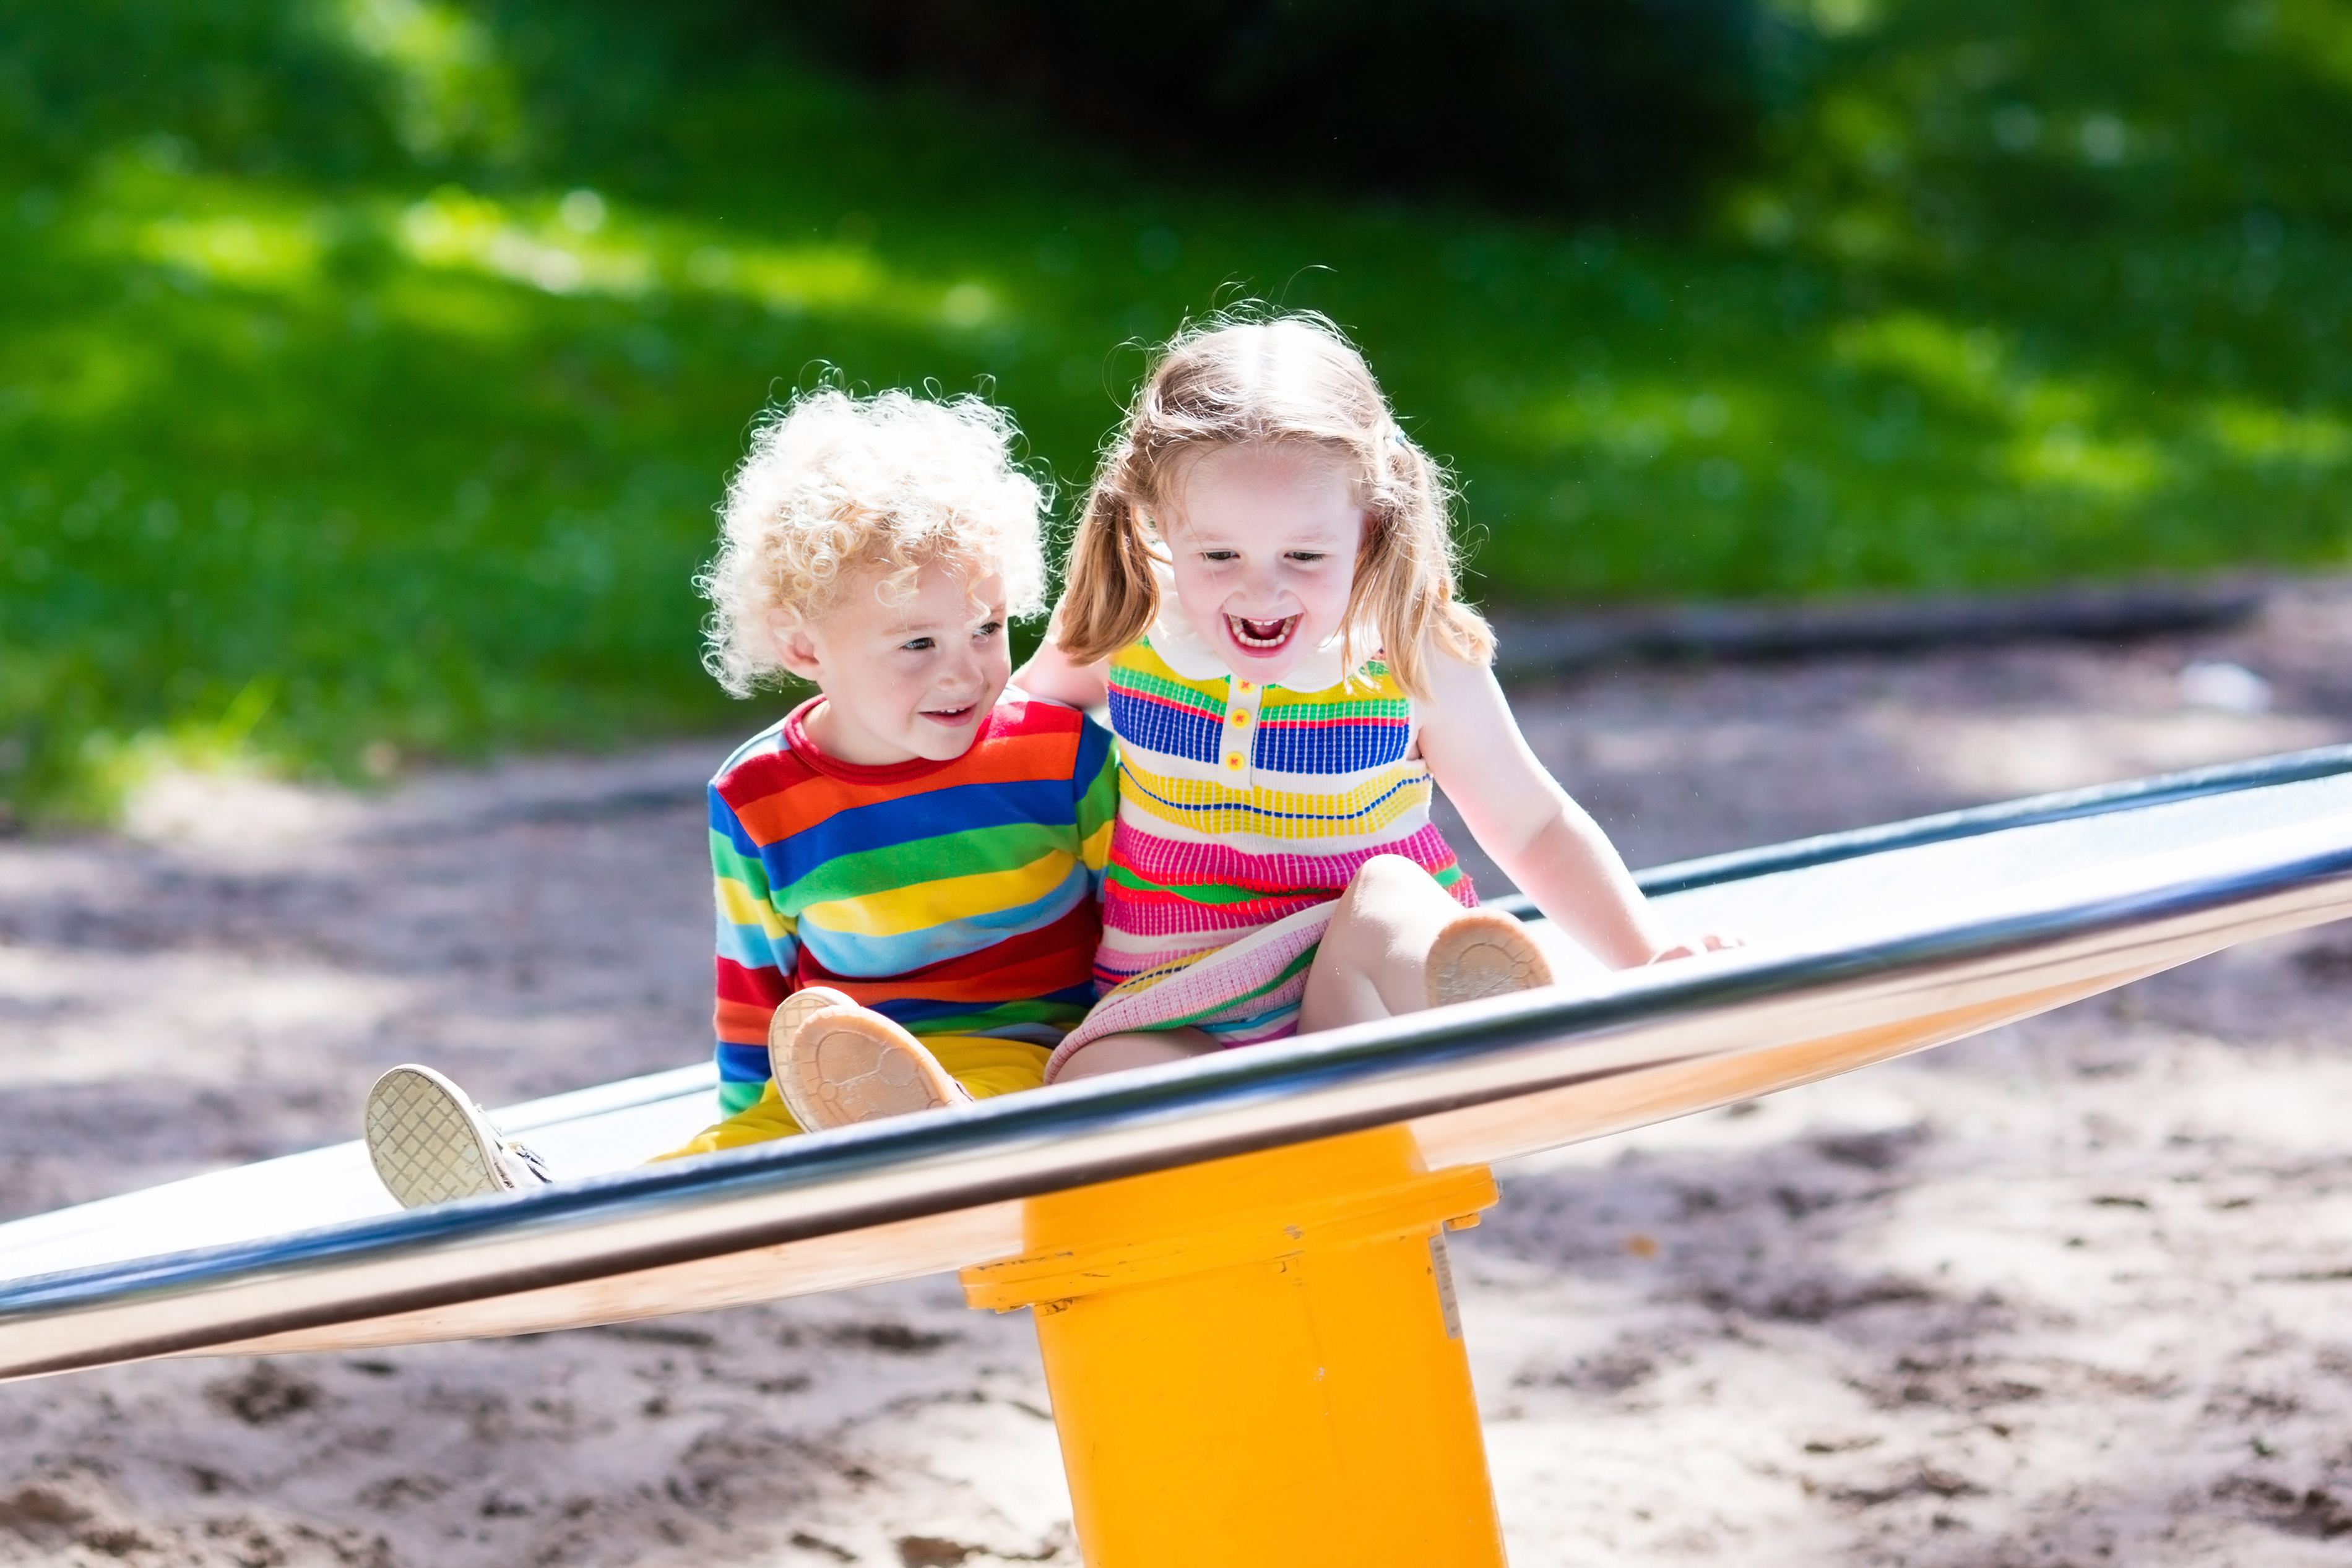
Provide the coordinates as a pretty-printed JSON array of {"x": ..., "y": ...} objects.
[
  {"x": 1482, "y": 955},
  {"x": 429, "y": 1143},
  {"x": 794, "y": 1011},
  {"x": 847, "y": 1065}
]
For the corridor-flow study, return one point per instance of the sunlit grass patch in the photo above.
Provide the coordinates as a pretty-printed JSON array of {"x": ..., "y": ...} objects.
[
  {"x": 2277, "y": 438},
  {"x": 425, "y": 440}
]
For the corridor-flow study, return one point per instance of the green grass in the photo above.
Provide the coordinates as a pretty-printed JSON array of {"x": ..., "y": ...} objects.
[{"x": 409, "y": 450}]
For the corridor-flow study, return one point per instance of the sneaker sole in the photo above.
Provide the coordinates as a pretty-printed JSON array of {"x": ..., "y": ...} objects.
[
  {"x": 846, "y": 1067},
  {"x": 426, "y": 1141},
  {"x": 1481, "y": 955},
  {"x": 795, "y": 1010}
]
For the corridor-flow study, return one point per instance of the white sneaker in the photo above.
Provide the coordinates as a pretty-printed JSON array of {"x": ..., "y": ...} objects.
[{"x": 430, "y": 1144}]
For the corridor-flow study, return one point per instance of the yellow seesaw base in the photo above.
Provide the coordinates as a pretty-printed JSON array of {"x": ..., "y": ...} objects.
[{"x": 1257, "y": 1361}]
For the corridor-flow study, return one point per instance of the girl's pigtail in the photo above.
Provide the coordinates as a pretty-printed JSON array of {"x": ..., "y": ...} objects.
[
  {"x": 1112, "y": 595},
  {"x": 1406, "y": 572},
  {"x": 1458, "y": 628}
]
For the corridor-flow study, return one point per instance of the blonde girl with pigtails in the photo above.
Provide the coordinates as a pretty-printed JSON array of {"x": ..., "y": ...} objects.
[{"x": 1262, "y": 589}]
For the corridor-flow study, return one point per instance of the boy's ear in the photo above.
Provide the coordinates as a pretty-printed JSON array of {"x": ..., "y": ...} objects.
[{"x": 788, "y": 635}]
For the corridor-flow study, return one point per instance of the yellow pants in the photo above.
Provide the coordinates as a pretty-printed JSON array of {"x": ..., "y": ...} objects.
[{"x": 985, "y": 1067}]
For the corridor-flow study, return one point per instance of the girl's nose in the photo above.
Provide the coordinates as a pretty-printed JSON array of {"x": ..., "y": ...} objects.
[{"x": 1262, "y": 588}]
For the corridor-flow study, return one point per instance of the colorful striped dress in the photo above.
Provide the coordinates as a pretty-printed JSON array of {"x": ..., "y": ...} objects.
[
  {"x": 1244, "y": 810},
  {"x": 959, "y": 898}
]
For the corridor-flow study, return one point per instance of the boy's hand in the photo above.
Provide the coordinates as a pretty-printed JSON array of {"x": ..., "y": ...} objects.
[{"x": 1712, "y": 941}]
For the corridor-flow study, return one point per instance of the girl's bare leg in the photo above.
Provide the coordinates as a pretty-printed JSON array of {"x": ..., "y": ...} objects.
[
  {"x": 1142, "y": 1047},
  {"x": 1398, "y": 943},
  {"x": 1373, "y": 961}
]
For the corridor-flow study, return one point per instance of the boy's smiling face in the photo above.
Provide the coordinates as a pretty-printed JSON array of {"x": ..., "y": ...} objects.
[{"x": 904, "y": 677}]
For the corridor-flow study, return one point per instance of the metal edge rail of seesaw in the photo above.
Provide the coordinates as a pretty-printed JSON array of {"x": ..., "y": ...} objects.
[
  {"x": 1943, "y": 827},
  {"x": 1024, "y": 1147}
]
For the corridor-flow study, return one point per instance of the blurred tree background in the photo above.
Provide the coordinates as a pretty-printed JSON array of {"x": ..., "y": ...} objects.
[{"x": 369, "y": 368}]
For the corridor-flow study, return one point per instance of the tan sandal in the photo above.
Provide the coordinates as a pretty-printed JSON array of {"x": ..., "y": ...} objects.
[
  {"x": 847, "y": 1065},
  {"x": 1482, "y": 954}
]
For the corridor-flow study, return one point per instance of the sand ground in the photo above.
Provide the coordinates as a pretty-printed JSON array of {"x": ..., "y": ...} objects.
[{"x": 2074, "y": 1293}]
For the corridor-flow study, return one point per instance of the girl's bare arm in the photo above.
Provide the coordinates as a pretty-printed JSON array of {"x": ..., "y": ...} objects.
[
  {"x": 1050, "y": 673},
  {"x": 1543, "y": 840}
]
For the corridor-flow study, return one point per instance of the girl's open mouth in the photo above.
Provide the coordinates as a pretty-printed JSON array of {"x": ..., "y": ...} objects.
[
  {"x": 1261, "y": 636},
  {"x": 951, "y": 716}
]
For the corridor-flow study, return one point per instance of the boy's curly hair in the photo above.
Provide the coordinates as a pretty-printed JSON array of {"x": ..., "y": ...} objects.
[{"x": 834, "y": 484}]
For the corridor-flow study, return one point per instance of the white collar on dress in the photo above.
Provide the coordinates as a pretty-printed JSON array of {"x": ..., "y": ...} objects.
[{"x": 1182, "y": 647}]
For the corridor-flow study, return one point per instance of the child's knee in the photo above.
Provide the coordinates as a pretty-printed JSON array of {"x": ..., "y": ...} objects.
[
  {"x": 1387, "y": 875},
  {"x": 1388, "y": 890}
]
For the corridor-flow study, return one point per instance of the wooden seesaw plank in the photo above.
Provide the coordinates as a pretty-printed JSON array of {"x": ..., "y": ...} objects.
[{"x": 1857, "y": 959}]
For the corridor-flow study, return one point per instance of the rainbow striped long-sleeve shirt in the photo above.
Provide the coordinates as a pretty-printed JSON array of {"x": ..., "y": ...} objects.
[{"x": 956, "y": 897}]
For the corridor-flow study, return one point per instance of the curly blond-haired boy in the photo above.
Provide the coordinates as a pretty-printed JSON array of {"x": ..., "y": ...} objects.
[{"x": 914, "y": 852}]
